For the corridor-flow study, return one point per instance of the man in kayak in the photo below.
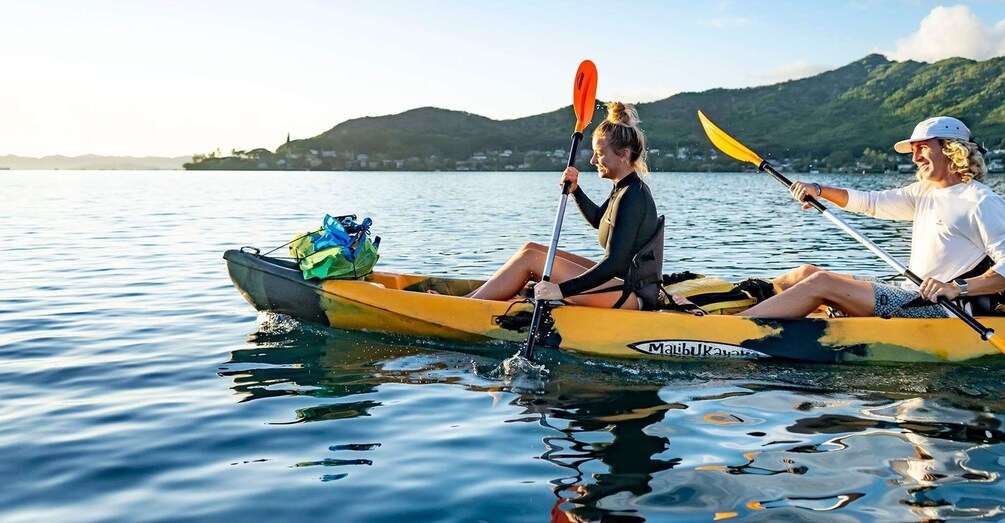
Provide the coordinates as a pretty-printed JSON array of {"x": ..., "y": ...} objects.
[
  {"x": 627, "y": 223},
  {"x": 957, "y": 240}
]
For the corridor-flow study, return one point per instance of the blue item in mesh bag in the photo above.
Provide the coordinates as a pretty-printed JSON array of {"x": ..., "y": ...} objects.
[{"x": 342, "y": 233}]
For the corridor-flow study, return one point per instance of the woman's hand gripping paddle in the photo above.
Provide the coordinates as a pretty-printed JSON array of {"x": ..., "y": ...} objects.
[
  {"x": 584, "y": 97},
  {"x": 735, "y": 149}
]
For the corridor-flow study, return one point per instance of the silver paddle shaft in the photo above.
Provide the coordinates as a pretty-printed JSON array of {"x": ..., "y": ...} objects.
[
  {"x": 553, "y": 248},
  {"x": 890, "y": 260}
]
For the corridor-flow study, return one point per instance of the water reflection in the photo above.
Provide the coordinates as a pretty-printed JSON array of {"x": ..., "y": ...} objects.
[
  {"x": 688, "y": 440},
  {"x": 625, "y": 460},
  {"x": 867, "y": 463}
]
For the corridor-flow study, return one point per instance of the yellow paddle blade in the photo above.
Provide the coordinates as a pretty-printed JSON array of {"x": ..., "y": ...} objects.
[
  {"x": 584, "y": 94},
  {"x": 998, "y": 342},
  {"x": 727, "y": 143}
]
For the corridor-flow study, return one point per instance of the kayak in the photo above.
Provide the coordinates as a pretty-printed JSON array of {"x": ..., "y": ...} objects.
[{"x": 399, "y": 303}]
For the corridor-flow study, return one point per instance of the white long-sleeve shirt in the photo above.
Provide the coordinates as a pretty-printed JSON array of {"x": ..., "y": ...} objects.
[{"x": 954, "y": 227}]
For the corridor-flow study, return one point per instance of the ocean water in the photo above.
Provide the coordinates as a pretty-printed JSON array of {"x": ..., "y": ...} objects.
[{"x": 137, "y": 385}]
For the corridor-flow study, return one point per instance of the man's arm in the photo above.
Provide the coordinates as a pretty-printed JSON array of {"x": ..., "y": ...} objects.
[{"x": 988, "y": 283}]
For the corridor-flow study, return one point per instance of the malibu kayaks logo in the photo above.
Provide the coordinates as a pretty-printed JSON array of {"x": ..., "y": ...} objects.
[{"x": 695, "y": 349}]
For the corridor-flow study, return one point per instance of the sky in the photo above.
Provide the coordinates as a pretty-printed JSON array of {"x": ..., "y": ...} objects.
[{"x": 174, "y": 78}]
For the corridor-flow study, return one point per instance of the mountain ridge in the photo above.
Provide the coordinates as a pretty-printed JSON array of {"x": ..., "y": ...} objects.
[{"x": 835, "y": 117}]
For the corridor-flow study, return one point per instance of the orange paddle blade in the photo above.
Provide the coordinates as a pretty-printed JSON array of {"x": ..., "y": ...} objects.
[
  {"x": 727, "y": 143},
  {"x": 584, "y": 94}
]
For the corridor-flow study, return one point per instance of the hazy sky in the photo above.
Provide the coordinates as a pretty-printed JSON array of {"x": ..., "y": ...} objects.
[{"x": 172, "y": 78}]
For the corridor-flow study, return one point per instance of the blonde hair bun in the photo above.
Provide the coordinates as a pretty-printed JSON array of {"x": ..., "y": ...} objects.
[{"x": 622, "y": 113}]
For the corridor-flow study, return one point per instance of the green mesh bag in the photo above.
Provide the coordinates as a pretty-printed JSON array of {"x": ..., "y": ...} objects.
[{"x": 340, "y": 250}]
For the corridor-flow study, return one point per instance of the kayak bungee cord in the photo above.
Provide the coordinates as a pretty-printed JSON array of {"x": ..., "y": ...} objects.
[{"x": 298, "y": 238}]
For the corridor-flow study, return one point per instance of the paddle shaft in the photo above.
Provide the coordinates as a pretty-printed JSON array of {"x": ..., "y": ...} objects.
[
  {"x": 535, "y": 321},
  {"x": 577, "y": 137},
  {"x": 986, "y": 333}
]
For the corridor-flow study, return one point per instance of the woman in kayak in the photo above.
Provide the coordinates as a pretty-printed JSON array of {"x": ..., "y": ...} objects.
[{"x": 626, "y": 222}]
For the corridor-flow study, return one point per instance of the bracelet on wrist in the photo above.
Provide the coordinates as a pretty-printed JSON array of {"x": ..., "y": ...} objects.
[{"x": 818, "y": 188}]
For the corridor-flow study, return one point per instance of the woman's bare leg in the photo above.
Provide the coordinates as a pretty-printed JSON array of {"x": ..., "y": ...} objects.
[
  {"x": 559, "y": 253},
  {"x": 601, "y": 300},
  {"x": 853, "y": 297},
  {"x": 527, "y": 264},
  {"x": 606, "y": 300}
]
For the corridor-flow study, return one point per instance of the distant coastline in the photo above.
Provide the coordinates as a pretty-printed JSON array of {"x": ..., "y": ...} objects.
[
  {"x": 681, "y": 159},
  {"x": 553, "y": 162},
  {"x": 92, "y": 162}
]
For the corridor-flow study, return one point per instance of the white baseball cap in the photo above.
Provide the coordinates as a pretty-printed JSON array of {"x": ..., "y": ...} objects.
[{"x": 936, "y": 127}]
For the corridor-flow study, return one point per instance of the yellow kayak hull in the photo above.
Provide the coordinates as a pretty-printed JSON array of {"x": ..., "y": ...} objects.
[{"x": 400, "y": 303}]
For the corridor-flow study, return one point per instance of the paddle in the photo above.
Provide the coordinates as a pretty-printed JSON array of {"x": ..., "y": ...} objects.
[
  {"x": 584, "y": 96},
  {"x": 735, "y": 149}
]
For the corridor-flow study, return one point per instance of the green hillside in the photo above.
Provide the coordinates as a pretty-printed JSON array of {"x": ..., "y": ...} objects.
[{"x": 846, "y": 118}]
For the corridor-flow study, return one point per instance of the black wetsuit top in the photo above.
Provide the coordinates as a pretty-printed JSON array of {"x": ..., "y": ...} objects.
[{"x": 626, "y": 222}]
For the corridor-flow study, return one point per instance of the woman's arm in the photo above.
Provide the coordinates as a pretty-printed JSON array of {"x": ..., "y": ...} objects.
[
  {"x": 629, "y": 213},
  {"x": 588, "y": 209}
]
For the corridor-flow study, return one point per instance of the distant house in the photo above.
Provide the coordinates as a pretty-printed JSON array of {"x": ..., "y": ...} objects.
[{"x": 328, "y": 154}]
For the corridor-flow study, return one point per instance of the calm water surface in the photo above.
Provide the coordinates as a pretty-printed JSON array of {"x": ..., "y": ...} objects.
[{"x": 137, "y": 385}]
